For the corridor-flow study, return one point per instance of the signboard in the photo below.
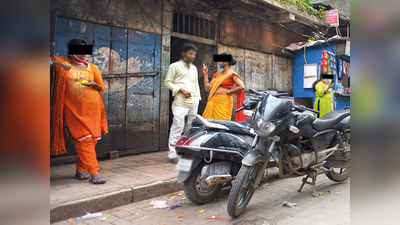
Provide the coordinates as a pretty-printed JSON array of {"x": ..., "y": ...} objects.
[
  {"x": 331, "y": 17},
  {"x": 311, "y": 74},
  {"x": 347, "y": 48}
]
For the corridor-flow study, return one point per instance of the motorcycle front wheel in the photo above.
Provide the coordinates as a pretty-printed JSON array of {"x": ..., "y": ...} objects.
[
  {"x": 198, "y": 191},
  {"x": 242, "y": 190}
]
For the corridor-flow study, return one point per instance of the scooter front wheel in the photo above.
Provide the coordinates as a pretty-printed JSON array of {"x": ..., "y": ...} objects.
[
  {"x": 242, "y": 190},
  {"x": 198, "y": 191}
]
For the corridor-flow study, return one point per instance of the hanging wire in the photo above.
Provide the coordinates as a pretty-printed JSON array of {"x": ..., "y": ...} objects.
[{"x": 305, "y": 49}]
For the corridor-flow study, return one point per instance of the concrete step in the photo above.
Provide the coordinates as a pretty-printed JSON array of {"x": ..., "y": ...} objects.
[{"x": 112, "y": 199}]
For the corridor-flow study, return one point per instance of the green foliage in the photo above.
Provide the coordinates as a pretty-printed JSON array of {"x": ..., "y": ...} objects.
[{"x": 306, "y": 6}]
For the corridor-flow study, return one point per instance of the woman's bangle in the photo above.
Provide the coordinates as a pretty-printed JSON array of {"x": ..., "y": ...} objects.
[{"x": 206, "y": 81}]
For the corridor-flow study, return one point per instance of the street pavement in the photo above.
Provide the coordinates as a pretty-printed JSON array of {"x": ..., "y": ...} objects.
[
  {"x": 266, "y": 207},
  {"x": 121, "y": 173}
]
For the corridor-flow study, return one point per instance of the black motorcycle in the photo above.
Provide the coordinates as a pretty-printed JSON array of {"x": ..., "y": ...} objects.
[
  {"x": 211, "y": 152},
  {"x": 297, "y": 141}
]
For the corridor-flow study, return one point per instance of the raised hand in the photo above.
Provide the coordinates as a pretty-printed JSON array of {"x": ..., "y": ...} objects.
[{"x": 205, "y": 70}]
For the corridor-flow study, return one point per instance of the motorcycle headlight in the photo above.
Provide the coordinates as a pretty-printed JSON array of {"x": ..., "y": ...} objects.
[{"x": 265, "y": 127}]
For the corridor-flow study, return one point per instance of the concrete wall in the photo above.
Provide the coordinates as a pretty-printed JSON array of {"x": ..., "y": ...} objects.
[
  {"x": 255, "y": 35},
  {"x": 262, "y": 71},
  {"x": 138, "y": 15}
]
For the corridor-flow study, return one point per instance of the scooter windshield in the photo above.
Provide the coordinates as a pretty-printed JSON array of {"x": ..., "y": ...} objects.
[{"x": 274, "y": 109}]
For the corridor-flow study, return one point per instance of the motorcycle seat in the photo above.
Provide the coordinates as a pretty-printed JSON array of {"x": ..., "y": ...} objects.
[
  {"x": 329, "y": 120},
  {"x": 234, "y": 127}
]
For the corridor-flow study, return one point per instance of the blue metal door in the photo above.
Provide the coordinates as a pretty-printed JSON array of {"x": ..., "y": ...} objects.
[{"x": 130, "y": 63}]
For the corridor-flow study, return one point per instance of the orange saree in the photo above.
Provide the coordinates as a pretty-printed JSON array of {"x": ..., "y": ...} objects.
[{"x": 220, "y": 105}]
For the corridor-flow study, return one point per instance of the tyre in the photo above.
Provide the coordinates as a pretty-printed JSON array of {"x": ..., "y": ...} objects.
[
  {"x": 198, "y": 191},
  {"x": 242, "y": 190},
  {"x": 339, "y": 174}
]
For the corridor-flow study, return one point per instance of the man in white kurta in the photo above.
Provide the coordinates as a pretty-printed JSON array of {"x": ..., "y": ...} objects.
[{"x": 182, "y": 80}]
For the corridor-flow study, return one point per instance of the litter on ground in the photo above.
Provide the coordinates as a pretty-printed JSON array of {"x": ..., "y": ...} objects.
[
  {"x": 175, "y": 207},
  {"x": 159, "y": 204},
  {"x": 289, "y": 204},
  {"x": 201, "y": 211},
  {"x": 92, "y": 215}
]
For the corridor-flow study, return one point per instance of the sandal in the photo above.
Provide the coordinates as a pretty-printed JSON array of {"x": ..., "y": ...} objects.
[
  {"x": 97, "y": 182},
  {"x": 82, "y": 176}
]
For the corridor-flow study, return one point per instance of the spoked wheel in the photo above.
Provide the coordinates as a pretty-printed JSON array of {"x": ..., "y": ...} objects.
[
  {"x": 242, "y": 190},
  {"x": 198, "y": 191}
]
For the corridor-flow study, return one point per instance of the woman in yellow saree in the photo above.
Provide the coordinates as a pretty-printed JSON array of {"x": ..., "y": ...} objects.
[{"x": 220, "y": 101}]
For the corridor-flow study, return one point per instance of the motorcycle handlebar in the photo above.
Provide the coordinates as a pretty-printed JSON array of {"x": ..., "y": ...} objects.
[
  {"x": 265, "y": 93},
  {"x": 256, "y": 92},
  {"x": 303, "y": 108},
  {"x": 240, "y": 109},
  {"x": 282, "y": 94}
]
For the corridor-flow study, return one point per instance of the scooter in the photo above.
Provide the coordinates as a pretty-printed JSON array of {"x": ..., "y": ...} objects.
[
  {"x": 300, "y": 143},
  {"x": 211, "y": 152}
]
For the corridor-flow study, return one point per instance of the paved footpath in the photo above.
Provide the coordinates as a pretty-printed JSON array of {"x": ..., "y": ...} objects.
[
  {"x": 265, "y": 207},
  {"x": 122, "y": 173}
]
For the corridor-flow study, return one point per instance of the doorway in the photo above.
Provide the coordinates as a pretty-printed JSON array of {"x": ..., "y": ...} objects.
[{"x": 205, "y": 54}]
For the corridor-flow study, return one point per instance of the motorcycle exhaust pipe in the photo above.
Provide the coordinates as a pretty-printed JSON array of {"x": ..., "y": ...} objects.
[
  {"x": 218, "y": 179},
  {"x": 217, "y": 173}
]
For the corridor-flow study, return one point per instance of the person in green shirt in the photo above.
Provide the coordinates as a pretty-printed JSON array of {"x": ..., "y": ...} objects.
[{"x": 323, "y": 91}]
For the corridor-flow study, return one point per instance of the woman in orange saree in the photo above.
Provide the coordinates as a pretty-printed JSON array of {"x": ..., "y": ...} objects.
[
  {"x": 221, "y": 88},
  {"x": 77, "y": 101}
]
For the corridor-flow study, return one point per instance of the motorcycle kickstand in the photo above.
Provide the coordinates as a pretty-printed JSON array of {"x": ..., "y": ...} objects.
[{"x": 313, "y": 183}]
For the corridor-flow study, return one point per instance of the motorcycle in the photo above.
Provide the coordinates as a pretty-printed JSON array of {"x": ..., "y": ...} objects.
[
  {"x": 211, "y": 152},
  {"x": 297, "y": 141}
]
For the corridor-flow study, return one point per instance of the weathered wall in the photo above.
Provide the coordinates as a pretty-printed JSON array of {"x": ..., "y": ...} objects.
[
  {"x": 262, "y": 71},
  {"x": 166, "y": 61},
  {"x": 142, "y": 15},
  {"x": 255, "y": 35}
]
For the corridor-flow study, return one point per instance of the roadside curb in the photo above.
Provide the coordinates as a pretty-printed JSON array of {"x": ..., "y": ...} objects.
[{"x": 113, "y": 199}]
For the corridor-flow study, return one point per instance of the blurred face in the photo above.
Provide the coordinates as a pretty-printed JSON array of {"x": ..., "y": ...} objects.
[
  {"x": 189, "y": 56},
  {"x": 82, "y": 57}
]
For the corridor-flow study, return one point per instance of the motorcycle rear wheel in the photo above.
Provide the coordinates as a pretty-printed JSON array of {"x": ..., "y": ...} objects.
[
  {"x": 198, "y": 191},
  {"x": 242, "y": 191},
  {"x": 339, "y": 174}
]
